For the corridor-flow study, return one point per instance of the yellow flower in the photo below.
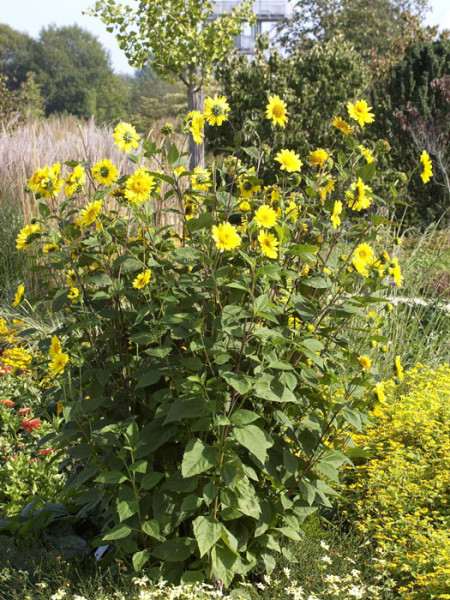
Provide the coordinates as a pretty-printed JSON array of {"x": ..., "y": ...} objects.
[
  {"x": 427, "y": 172},
  {"x": 399, "y": 367},
  {"x": 47, "y": 248},
  {"x": 265, "y": 216},
  {"x": 27, "y": 235},
  {"x": 139, "y": 186},
  {"x": 74, "y": 181},
  {"x": 73, "y": 294},
  {"x": 225, "y": 236},
  {"x": 201, "y": 179},
  {"x": 292, "y": 212},
  {"x": 268, "y": 243},
  {"x": 125, "y": 137},
  {"x": 276, "y": 110},
  {"x": 396, "y": 272},
  {"x": 244, "y": 206},
  {"x": 326, "y": 189},
  {"x": 360, "y": 112},
  {"x": 216, "y": 110},
  {"x": 248, "y": 188},
  {"x": 379, "y": 390},
  {"x": 318, "y": 157},
  {"x": 366, "y": 153},
  {"x": 179, "y": 170},
  {"x": 359, "y": 195},
  {"x": 55, "y": 347},
  {"x": 342, "y": 125},
  {"x": 337, "y": 210},
  {"x": 365, "y": 362},
  {"x": 19, "y": 295},
  {"x": 289, "y": 161},
  {"x": 47, "y": 181},
  {"x": 89, "y": 214},
  {"x": 362, "y": 257},
  {"x": 70, "y": 277},
  {"x": 105, "y": 172},
  {"x": 142, "y": 279},
  {"x": 189, "y": 210},
  {"x": 195, "y": 121},
  {"x": 58, "y": 363}
]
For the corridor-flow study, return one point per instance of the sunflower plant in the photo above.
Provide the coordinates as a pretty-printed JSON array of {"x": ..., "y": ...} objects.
[{"x": 203, "y": 368}]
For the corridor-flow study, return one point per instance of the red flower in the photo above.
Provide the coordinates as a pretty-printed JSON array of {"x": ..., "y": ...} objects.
[
  {"x": 24, "y": 411},
  {"x": 30, "y": 424},
  {"x": 7, "y": 402},
  {"x": 8, "y": 368},
  {"x": 47, "y": 451}
]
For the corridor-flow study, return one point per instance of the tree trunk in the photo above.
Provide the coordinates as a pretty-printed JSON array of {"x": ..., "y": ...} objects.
[{"x": 195, "y": 100}]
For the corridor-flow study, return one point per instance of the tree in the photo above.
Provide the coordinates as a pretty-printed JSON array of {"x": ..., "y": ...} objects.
[
  {"x": 379, "y": 33},
  {"x": 176, "y": 38}
]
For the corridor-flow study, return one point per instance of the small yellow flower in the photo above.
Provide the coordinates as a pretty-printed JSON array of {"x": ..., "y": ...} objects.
[
  {"x": 125, "y": 136},
  {"x": 195, "y": 121},
  {"x": 89, "y": 214},
  {"x": 276, "y": 110},
  {"x": 19, "y": 295},
  {"x": 342, "y": 125},
  {"x": 216, "y": 110},
  {"x": 74, "y": 181},
  {"x": 398, "y": 367},
  {"x": 226, "y": 236},
  {"x": 105, "y": 172},
  {"x": 73, "y": 294},
  {"x": 337, "y": 210},
  {"x": 268, "y": 243},
  {"x": 47, "y": 181},
  {"x": 139, "y": 186},
  {"x": 265, "y": 216},
  {"x": 396, "y": 272},
  {"x": 248, "y": 188},
  {"x": 244, "y": 206},
  {"x": 379, "y": 390},
  {"x": 47, "y": 248},
  {"x": 366, "y": 153},
  {"x": 289, "y": 161},
  {"x": 427, "y": 172},
  {"x": 142, "y": 279},
  {"x": 55, "y": 346},
  {"x": 360, "y": 112},
  {"x": 27, "y": 235},
  {"x": 58, "y": 363},
  {"x": 318, "y": 157},
  {"x": 201, "y": 179},
  {"x": 365, "y": 362},
  {"x": 359, "y": 195}
]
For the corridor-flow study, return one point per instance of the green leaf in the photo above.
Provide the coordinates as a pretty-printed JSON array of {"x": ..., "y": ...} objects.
[
  {"x": 255, "y": 439},
  {"x": 290, "y": 533},
  {"x": 176, "y": 550},
  {"x": 151, "y": 528},
  {"x": 112, "y": 477},
  {"x": 149, "y": 378},
  {"x": 239, "y": 382},
  {"x": 207, "y": 531},
  {"x": 118, "y": 532},
  {"x": 192, "y": 577},
  {"x": 173, "y": 154},
  {"x": 139, "y": 559},
  {"x": 126, "y": 504},
  {"x": 367, "y": 172},
  {"x": 224, "y": 563},
  {"x": 150, "y": 480},
  {"x": 353, "y": 417},
  {"x": 243, "y": 417},
  {"x": 198, "y": 457}
]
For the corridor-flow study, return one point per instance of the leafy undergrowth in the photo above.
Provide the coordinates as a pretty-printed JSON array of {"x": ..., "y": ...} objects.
[{"x": 399, "y": 497}]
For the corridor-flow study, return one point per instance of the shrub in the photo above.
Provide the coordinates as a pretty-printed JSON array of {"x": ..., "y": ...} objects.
[
  {"x": 205, "y": 372},
  {"x": 399, "y": 496}
]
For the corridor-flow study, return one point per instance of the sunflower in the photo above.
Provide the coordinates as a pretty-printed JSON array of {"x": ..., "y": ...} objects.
[
  {"x": 105, "y": 172},
  {"x": 362, "y": 258},
  {"x": 379, "y": 391},
  {"x": 89, "y": 214},
  {"x": 342, "y": 125},
  {"x": 142, "y": 279},
  {"x": 27, "y": 235},
  {"x": 396, "y": 272},
  {"x": 55, "y": 347},
  {"x": 360, "y": 112},
  {"x": 195, "y": 121},
  {"x": 365, "y": 362},
  {"x": 265, "y": 216},
  {"x": 318, "y": 157},
  {"x": 74, "y": 181},
  {"x": 18, "y": 297},
  {"x": 398, "y": 367},
  {"x": 289, "y": 161},
  {"x": 366, "y": 152},
  {"x": 337, "y": 210},
  {"x": 248, "y": 188},
  {"x": 276, "y": 110},
  {"x": 427, "y": 172},
  {"x": 58, "y": 363},
  {"x": 216, "y": 110},
  {"x": 126, "y": 137},
  {"x": 139, "y": 186},
  {"x": 226, "y": 236},
  {"x": 268, "y": 243},
  {"x": 359, "y": 195},
  {"x": 201, "y": 179}
]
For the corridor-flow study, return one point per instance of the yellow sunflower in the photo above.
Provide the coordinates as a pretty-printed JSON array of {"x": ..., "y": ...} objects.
[
  {"x": 427, "y": 172},
  {"x": 27, "y": 235},
  {"x": 276, "y": 110},
  {"x": 360, "y": 112},
  {"x": 216, "y": 110},
  {"x": 18, "y": 297},
  {"x": 89, "y": 214},
  {"x": 265, "y": 216},
  {"x": 105, "y": 172},
  {"x": 139, "y": 186},
  {"x": 226, "y": 236},
  {"x": 125, "y": 136},
  {"x": 142, "y": 279},
  {"x": 268, "y": 243},
  {"x": 289, "y": 161}
]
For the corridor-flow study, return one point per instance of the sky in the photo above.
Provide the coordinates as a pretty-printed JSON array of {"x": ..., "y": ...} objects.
[{"x": 30, "y": 16}]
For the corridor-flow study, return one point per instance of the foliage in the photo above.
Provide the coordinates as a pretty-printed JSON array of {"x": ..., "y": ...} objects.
[
  {"x": 315, "y": 84},
  {"x": 13, "y": 264},
  {"x": 379, "y": 35},
  {"x": 414, "y": 114},
  {"x": 204, "y": 374},
  {"x": 399, "y": 496},
  {"x": 19, "y": 105}
]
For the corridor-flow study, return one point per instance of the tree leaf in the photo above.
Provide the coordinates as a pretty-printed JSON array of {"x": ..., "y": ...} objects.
[
  {"x": 207, "y": 531},
  {"x": 112, "y": 477},
  {"x": 139, "y": 559},
  {"x": 198, "y": 457},
  {"x": 255, "y": 439},
  {"x": 176, "y": 550}
]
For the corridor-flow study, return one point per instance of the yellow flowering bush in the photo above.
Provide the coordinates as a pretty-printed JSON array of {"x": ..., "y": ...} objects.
[
  {"x": 205, "y": 370},
  {"x": 400, "y": 495}
]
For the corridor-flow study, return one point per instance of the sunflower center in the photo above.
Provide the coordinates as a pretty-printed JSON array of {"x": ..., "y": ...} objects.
[
  {"x": 104, "y": 172},
  {"x": 278, "y": 111}
]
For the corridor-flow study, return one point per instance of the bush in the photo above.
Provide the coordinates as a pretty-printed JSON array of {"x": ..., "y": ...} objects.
[
  {"x": 205, "y": 370},
  {"x": 399, "y": 496}
]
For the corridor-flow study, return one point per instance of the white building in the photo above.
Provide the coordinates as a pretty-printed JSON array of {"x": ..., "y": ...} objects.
[{"x": 269, "y": 13}]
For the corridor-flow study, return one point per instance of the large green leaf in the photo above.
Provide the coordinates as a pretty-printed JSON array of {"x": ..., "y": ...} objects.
[
  {"x": 175, "y": 550},
  {"x": 255, "y": 439},
  {"x": 207, "y": 531},
  {"x": 198, "y": 457},
  {"x": 239, "y": 382},
  {"x": 118, "y": 532}
]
